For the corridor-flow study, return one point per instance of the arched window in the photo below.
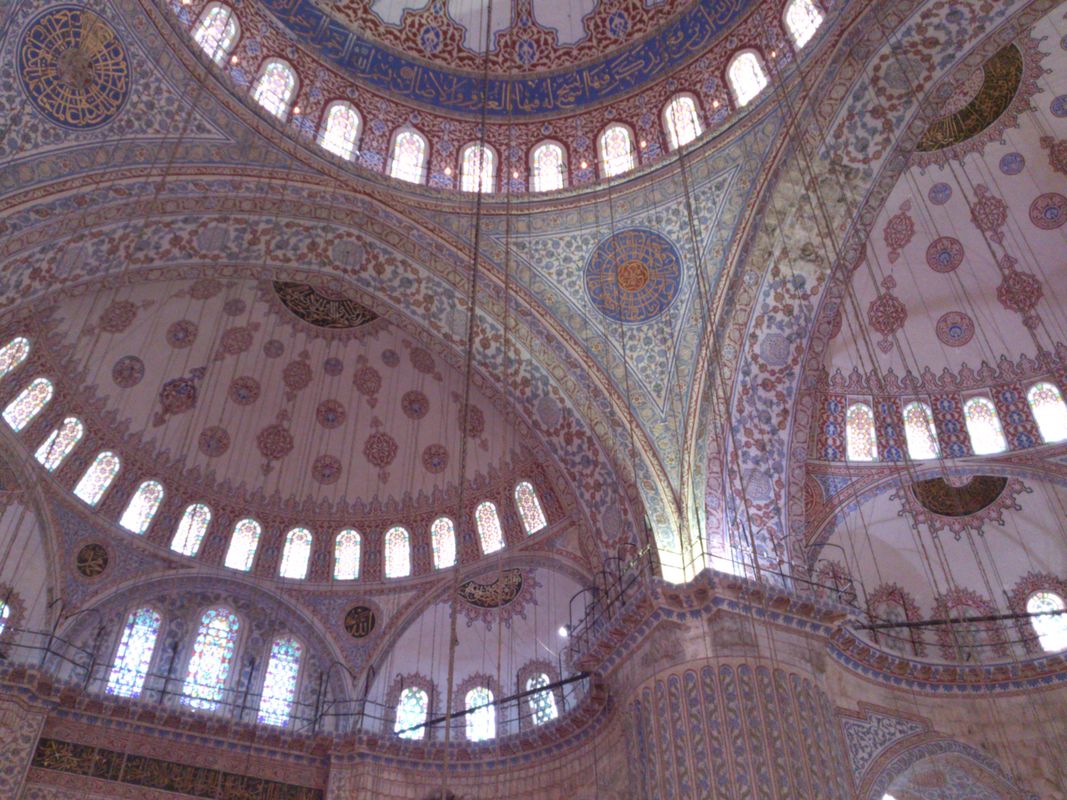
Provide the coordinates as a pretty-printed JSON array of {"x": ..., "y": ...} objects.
[
  {"x": 408, "y": 162},
  {"x": 1046, "y": 404},
  {"x": 542, "y": 704},
  {"x": 802, "y": 20},
  {"x": 279, "y": 685},
  {"x": 397, "y": 553},
  {"x": 217, "y": 31},
  {"x": 5, "y": 612},
  {"x": 1051, "y": 626},
  {"x": 98, "y": 477},
  {"x": 296, "y": 554},
  {"x": 919, "y": 431},
  {"x": 276, "y": 87},
  {"x": 13, "y": 354},
  {"x": 59, "y": 443},
  {"x": 134, "y": 654},
  {"x": 191, "y": 530},
  {"x": 682, "y": 120},
  {"x": 746, "y": 76},
  {"x": 142, "y": 507},
  {"x": 21, "y": 411},
  {"x": 860, "y": 441},
  {"x": 209, "y": 665},
  {"x": 443, "y": 541},
  {"x": 411, "y": 712},
  {"x": 346, "y": 555},
  {"x": 533, "y": 516},
  {"x": 548, "y": 167},
  {"x": 243, "y": 543},
  {"x": 481, "y": 714},
  {"x": 616, "y": 145},
  {"x": 489, "y": 531},
  {"x": 477, "y": 168},
  {"x": 983, "y": 426},
  {"x": 340, "y": 131}
]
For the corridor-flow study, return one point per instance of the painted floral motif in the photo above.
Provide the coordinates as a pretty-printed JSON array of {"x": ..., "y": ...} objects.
[
  {"x": 415, "y": 404},
  {"x": 235, "y": 341},
  {"x": 177, "y": 396},
  {"x": 989, "y": 213},
  {"x": 368, "y": 381},
  {"x": 127, "y": 372},
  {"x": 1057, "y": 153},
  {"x": 944, "y": 254},
  {"x": 244, "y": 391},
  {"x": 117, "y": 317},
  {"x": 380, "y": 449},
  {"x": 435, "y": 458},
  {"x": 272, "y": 348},
  {"x": 1019, "y": 292},
  {"x": 296, "y": 376},
  {"x": 205, "y": 288},
  {"x": 330, "y": 414},
  {"x": 1049, "y": 211},
  {"x": 234, "y": 307},
  {"x": 475, "y": 421},
  {"x": 955, "y": 329},
  {"x": 899, "y": 231},
  {"x": 213, "y": 441},
  {"x": 326, "y": 470},
  {"x": 333, "y": 366},
  {"x": 390, "y": 358},
  {"x": 274, "y": 442},
  {"x": 887, "y": 314},
  {"x": 422, "y": 361},
  {"x": 182, "y": 334}
]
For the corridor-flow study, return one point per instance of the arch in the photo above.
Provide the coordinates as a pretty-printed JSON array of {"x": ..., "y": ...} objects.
[
  {"x": 98, "y": 478},
  {"x": 920, "y": 432},
  {"x": 243, "y": 542},
  {"x": 346, "y": 555},
  {"x": 939, "y": 762},
  {"x": 408, "y": 156},
  {"x": 275, "y": 87},
  {"x": 296, "y": 554},
  {"x": 477, "y": 168},
  {"x": 212, "y": 657},
  {"x": 217, "y": 31},
  {"x": 133, "y": 656},
  {"x": 802, "y": 19},
  {"x": 280, "y": 682},
  {"x": 13, "y": 354},
  {"x": 548, "y": 167},
  {"x": 142, "y": 507},
  {"x": 542, "y": 703},
  {"x": 192, "y": 527},
  {"x": 1049, "y": 410},
  {"x": 21, "y": 411},
  {"x": 412, "y": 709},
  {"x": 529, "y": 506},
  {"x": 490, "y": 534},
  {"x": 746, "y": 77},
  {"x": 59, "y": 444},
  {"x": 681, "y": 119},
  {"x": 481, "y": 714},
  {"x": 983, "y": 426},
  {"x": 1050, "y": 624},
  {"x": 861, "y": 442},
  {"x": 5, "y": 614},
  {"x": 443, "y": 543},
  {"x": 615, "y": 147},
  {"x": 340, "y": 130},
  {"x": 397, "y": 553}
]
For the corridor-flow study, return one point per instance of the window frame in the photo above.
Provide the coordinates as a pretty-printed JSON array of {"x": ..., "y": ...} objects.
[
  {"x": 324, "y": 120},
  {"x": 494, "y": 172},
  {"x": 152, "y": 659},
  {"x": 233, "y": 672},
  {"x": 220, "y": 56},
  {"x": 735, "y": 95},
  {"x": 665, "y": 119},
  {"x": 793, "y": 39},
  {"x": 290, "y": 101},
  {"x": 635, "y": 160},
  {"x": 424, "y": 166},
  {"x": 564, "y": 165}
]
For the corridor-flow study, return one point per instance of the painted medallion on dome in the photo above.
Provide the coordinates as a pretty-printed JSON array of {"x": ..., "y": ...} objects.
[
  {"x": 938, "y": 496},
  {"x": 322, "y": 307},
  {"x": 633, "y": 276}
]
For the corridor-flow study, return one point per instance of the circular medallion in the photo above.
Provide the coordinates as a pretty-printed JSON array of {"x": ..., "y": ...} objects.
[
  {"x": 633, "y": 276},
  {"x": 940, "y": 193},
  {"x": 91, "y": 560},
  {"x": 944, "y": 254},
  {"x": 955, "y": 329},
  {"x": 74, "y": 68},
  {"x": 360, "y": 621},
  {"x": 127, "y": 372},
  {"x": 1012, "y": 163},
  {"x": 1049, "y": 211}
]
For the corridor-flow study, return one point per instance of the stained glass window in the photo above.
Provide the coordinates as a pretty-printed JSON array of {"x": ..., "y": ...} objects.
[
  {"x": 341, "y": 131},
  {"x": 616, "y": 150},
  {"x": 542, "y": 704},
  {"x": 683, "y": 121},
  {"x": 296, "y": 554},
  {"x": 209, "y": 665},
  {"x": 548, "y": 167},
  {"x": 489, "y": 531},
  {"x": 346, "y": 555},
  {"x": 477, "y": 168},
  {"x": 919, "y": 431},
  {"x": 243, "y": 545},
  {"x": 860, "y": 441},
  {"x": 59, "y": 443},
  {"x": 1048, "y": 409},
  {"x": 533, "y": 516},
  {"x": 134, "y": 654},
  {"x": 13, "y": 354},
  {"x": 397, "y": 553},
  {"x": 5, "y": 612},
  {"x": 411, "y": 713},
  {"x": 216, "y": 32},
  {"x": 143, "y": 506},
  {"x": 1051, "y": 627},
  {"x": 746, "y": 76},
  {"x": 191, "y": 530},
  {"x": 28, "y": 404},
  {"x": 409, "y": 157},
  {"x": 275, "y": 88},
  {"x": 98, "y": 477},
  {"x": 443, "y": 541},
  {"x": 481, "y": 719},
  {"x": 983, "y": 426},
  {"x": 802, "y": 18},
  {"x": 279, "y": 685}
]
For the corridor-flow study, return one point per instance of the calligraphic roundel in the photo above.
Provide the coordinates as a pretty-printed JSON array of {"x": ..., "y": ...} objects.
[{"x": 633, "y": 276}]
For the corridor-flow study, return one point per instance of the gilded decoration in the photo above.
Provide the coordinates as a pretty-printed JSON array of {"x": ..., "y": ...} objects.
[
  {"x": 497, "y": 594},
  {"x": 938, "y": 496},
  {"x": 633, "y": 276},
  {"x": 360, "y": 621},
  {"x": 322, "y": 307},
  {"x": 92, "y": 560}
]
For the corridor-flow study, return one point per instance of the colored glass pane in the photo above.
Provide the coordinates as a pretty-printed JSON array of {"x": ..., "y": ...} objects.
[
  {"x": 683, "y": 121},
  {"x": 216, "y": 32},
  {"x": 548, "y": 167},
  {"x": 397, "y": 553},
  {"x": 443, "y": 540},
  {"x": 13, "y": 354},
  {"x": 28, "y": 404},
  {"x": 209, "y": 665},
  {"x": 296, "y": 554},
  {"x": 59, "y": 443},
  {"x": 341, "y": 130},
  {"x": 98, "y": 477},
  {"x": 243, "y": 543},
  {"x": 481, "y": 716},
  {"x": 191, "y": 530},
  {"x": 542, "y": 704},
  {"x": 746, "y": 76},
  {"x": 802, "y": 18},
  {"x": 279, "y": 685},
  {"x": 983, "y": 426},
  {"x": 478, "y": 169},
  {"x": 5, "y": 612},
  {"x": 1046, "y": 404},
  {"x": 411, "y": 713},
  {"x": 275, "y": 88},
  {"x": 1051, "y": 625},
  {"x": 409, "y": 155},
  {"x": 489, "y": 531},
  {"x": 142, "y": 507},
  {"x": 616, "y": 151},
  {"x": 860, "y": 441},
  {"x": 346, "y": 555},
  {"x": 134, "y": 654},
  {"x": 919, "y": 431},
  {"x": 526, "y": 500}
]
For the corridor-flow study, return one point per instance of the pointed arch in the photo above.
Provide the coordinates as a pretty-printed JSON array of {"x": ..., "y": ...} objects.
[
  {"x": 477, "y": 168},
  {"x": 192, "y": 528},
  {"x": 59, "y": 444},
  {"x": 803, "y": 19},
  {"x": 681, "y": 118},
  {"x": 98, "y": 478},
  {"x": 490, "y": 534},
  {"x": 443, "y": 543},
  {"x": 746, "y": 76},
  {"x": 397, "y": 553},
  {"x": 1049, "y": 410},
  {"x": 408, "y": 156},
  {"x": 1049, "y": 620},
  {"x": 983, "y": 426},
  {"x": 861, "y": 443},
  {"x": 21, "y": 411},
  {"x": 548, "y": 167},
  {"x": 529, "y": 506},
  {"x": 296, "y": 554},
  {"x": 615, "y": 146},
  {"x": 243, "y": 543},
  {"x": 275, "y": 87},
  {"x": 217, "y": 31},
  {"x": 412, "y": 708},
  {"x": 142, "y": 507},
  {"x": 13, "y": 354},
  {"x": 212, "y": 657},
  {"x": 133, "y": 657},
  {"x": 919, "y": 431},
  {"x": 346, "y": 555},
  {"x": 542, "y": 703},
  {"x": 280, "y": 682},
  {"x": 340, "y": 129},
  {"x": 481, "y": 714}
]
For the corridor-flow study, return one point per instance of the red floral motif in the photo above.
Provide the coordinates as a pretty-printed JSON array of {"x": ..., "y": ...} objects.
[
  {"x": 244, "y": 391},
  {"x": 380, "y": 449},
  {"x": 296, "y": 375},
  {"x": 234, "y": 341},
  {"x": 899, "y": 231},
  {"x": 333, "y": 366},
  {"x": 272, "y": 348},
  {"x": 1049, "y": 211},
  {"x": 214, "y": 441},
  {"x": 944, "y": 254},
  {"x": 234, "y": 307},
  {"x": 326, "y": 470},
  {"x": 177, "y": 396},
  {"x": 415, "y": 404},
  {"x": 390, "y": 358},
  {"x": 118, "y": 316},
  {"x": 1019, "y": 292},
  {"x": 205, "y": 288},
  {"x": 330, "y": 414},
  {"x": 989, "y": 213},
  {"x": 887, "y": 314},
  {"x": 435, "y": 458},
  {"x": 422, "y": 361},
  {"x": 182, "y": 334},
  {"x": 367, "y": 381},
  {"x": 955, "y": 329},
  {"x": 274, "y": 442},
  {"x": 475, "y": 421},
  {"x": 1057, "y": 153},
  {"x": 127, "y": 372}
]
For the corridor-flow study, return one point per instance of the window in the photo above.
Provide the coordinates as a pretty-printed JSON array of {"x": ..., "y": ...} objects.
[
  {"x": 1046, "y": 404},
  {"x": 443, "y": 542},
  {"x": 243, "y": 545},
  {"x": 1051, "y": 627},
  {"x": 13, "y": 354},
  {"x": 548, "y": 167},
  {"x": 477, "y": 168},
  {"x": 533, "y": 516},
  {"x": 682, "y": 120},
  {"x": 411, "y": 713},
  {"x": 98, "y": 477},
  {"x": 143, "y": 506},
  {"x": 209, "y": 665},
  {"x": 860, "y": 441},
  {"x": 275, "y": 88},
  {"x": 919, "y": 431},
  {"x": 481, "y": 716},
  {"x": 802, "y": 20},
  {"x": 21, "y": 411},
  {"x": 279, "y": 685},
  {"x": 409, "y": 157},
  {"x": 341, "y": 130},
  {"x": 746, "y": 76},
  {"x": 397, "y": 553},
  {"x": 296, "y": 554},
  {"x": 489, "y": 532},
  {"x": 191, "y": 529},
  {"x": 542, "y": 704},
  {"x": 59, "y": 443},
  {"x": 346, "y": 555},
  {"x": 216, "y": 32},
  {"x": 5, "y": 612},
  {"x": 983, "y": 426},
  {"x": 134, "y": 654},
  {"x": 616, "y": 146}
]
